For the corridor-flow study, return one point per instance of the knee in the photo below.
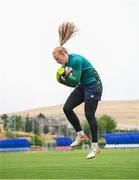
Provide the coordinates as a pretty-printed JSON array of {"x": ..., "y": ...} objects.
[
  {"x": 91, "y": 118},
  {"x": 67, "y": 109},
  {"x": 89, "y": 115}
]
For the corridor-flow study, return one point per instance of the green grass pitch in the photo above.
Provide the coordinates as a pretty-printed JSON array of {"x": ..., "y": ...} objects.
[{"x": 109, "y": 164}]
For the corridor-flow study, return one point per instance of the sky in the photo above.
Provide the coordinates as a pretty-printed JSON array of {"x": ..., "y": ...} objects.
[{"x": 108, "y": 37}]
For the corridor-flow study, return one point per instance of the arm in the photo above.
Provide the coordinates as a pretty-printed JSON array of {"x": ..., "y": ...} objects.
[
  {"x": 70, "y": 80},
  {"x": 73, "y": 79}
]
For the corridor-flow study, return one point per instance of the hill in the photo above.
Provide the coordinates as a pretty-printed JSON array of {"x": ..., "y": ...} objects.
[{"x": 126, "y": 113}]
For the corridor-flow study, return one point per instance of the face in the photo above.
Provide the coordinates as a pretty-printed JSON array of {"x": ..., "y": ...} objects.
[{"x": 61, "y": 58}]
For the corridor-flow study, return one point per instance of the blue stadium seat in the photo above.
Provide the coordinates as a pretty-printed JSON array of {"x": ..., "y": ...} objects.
[
  {"x": 14, "y": 145},
  {"x": 63, "y": 141},
  {"x": 116, "y": 139}
]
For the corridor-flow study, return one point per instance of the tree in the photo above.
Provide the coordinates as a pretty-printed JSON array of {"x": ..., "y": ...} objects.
[
  {"x": 18, "y": 121},
  {"x": 5, "y": 120},
  {"x": 45, "y": 129},
  {"x": 31, "y": 123},
  {"x": 13, "y": 122},
  {"x": 36, "y": 127},
  {"x": 28, "y": 124},
  {"x": 37, "y": 140},
  {"x": 41, "y": 116},
  {"x": 106, "y": 124}
]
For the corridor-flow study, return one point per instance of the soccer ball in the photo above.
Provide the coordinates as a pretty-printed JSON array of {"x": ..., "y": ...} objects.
[{"x": 63, "y": 73}]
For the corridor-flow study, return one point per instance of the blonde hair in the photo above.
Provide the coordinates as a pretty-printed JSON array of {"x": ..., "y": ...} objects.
[
  {"x": 66, "y": 31},
  {"x": 61, "y": 49}
]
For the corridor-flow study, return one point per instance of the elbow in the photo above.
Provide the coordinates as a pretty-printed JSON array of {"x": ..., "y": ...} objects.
[{"x": 76, "y": 83}]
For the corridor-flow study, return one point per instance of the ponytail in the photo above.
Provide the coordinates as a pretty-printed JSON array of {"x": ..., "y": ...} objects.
[{"x": 66, "y": 31}]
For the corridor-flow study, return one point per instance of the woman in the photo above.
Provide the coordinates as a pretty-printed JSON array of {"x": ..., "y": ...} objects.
[{"x": 77, "y": 71}]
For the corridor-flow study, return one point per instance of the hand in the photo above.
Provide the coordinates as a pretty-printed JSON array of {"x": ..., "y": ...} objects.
[{"x": 68, "y": 71}]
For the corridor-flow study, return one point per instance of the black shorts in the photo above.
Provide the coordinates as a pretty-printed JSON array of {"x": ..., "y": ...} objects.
[{"x": 92, "y": 91}]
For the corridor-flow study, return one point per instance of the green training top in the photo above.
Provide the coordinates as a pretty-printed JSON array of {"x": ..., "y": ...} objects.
[{"x": 83, "y": 72}]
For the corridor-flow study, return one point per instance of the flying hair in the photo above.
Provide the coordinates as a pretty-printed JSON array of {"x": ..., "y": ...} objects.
[{"x": 66, "y": 31}]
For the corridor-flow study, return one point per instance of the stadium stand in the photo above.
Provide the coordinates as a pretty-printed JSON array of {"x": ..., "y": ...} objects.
[
  {"x": 14, "y": 145},
  {"x": 128, "y": 140},
  {"x": 63, "y": 143}
]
